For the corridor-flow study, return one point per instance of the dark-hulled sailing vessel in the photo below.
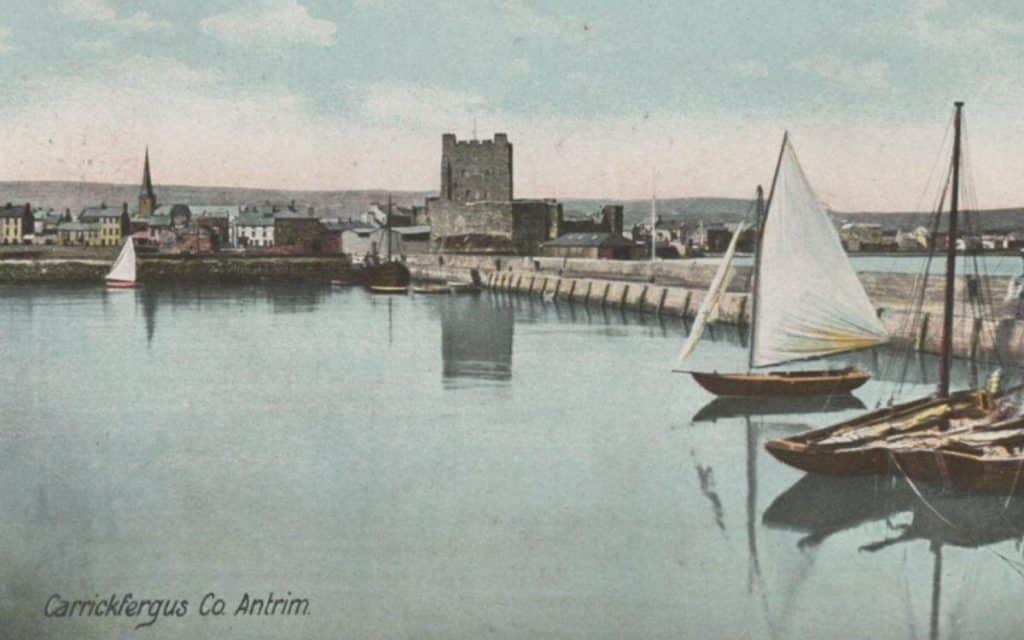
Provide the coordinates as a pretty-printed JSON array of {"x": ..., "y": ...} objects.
[{"x": 386, "y": 275}]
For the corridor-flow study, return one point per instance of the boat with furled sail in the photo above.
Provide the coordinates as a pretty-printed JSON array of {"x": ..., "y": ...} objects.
[
  {"x": 807, "y": 301},
  {"x": 122, "y": 273},
  {"x": 386, "y": 275},
  {"x": 969, "y": 440}
]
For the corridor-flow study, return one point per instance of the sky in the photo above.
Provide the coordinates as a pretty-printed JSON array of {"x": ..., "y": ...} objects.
[{"x": 600, "y": 99}]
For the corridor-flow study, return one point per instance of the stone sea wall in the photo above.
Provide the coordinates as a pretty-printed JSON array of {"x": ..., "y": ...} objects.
[{"x": 677, "y": 288}]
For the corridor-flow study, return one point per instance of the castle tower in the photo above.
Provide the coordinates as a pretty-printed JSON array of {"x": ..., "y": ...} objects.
[
  {"x": 476, "y": 170},
  {"x": 147, "y": 199}
]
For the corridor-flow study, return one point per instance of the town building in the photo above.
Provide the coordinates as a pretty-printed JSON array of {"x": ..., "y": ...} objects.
[
  {"x": 476, "y": 202},
  {"x": 303, "y": 234},
  {"x": 109, "y": 220},
  {"x": 84, "y": 234},
  {"x": 609, "y": 246},
  {"x": 609, "y": 220},
  {"x": 860, "y": 236},
  {"x": 16, "y": 222},
  {"x": 255, "y": 230},
  {"x": 222, "y": 219}
]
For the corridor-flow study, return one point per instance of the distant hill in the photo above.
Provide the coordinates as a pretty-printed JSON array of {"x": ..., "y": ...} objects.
[
  {"x": 678, "y": 209},
  {"x": 730, "y": 210},
  {"x": 77, "y": 195}
]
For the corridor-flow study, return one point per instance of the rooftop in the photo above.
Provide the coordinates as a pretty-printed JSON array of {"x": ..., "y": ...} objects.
[{"x": 589, "y": 240}]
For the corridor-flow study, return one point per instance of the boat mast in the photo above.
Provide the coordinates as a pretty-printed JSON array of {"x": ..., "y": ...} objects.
[
  {"x": 758, "y": 222},
  {"x": 946, "y": 349},
  {"x": 762, "y": 217},
  {"x": 387, "y": 226},
  {"x": 654, "y": 214}
]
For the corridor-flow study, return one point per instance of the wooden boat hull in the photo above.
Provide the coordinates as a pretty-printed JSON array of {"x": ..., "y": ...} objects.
[
  {"x": 382, "y": 289},
  {"x": 387, "y": 277},
  {"x": 804, "y": 451},
  {"x": 795, "y": 383},
  {"x": 121, "y": 284}
]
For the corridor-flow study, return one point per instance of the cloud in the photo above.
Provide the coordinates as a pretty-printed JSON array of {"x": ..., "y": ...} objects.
[
  {"x": 750, "y": 69},
  {"x": 5, "y": 40},
  {"x": 940, "y": 25},
  {"x": 270, "y": 22},
  {"x": 100, "y": 12},
  {"x": 206, "y": 131},
  {"x": 527, "y": 20},
  {"x": 852, "y": 76},
  {"x": 420, "y": 107}
]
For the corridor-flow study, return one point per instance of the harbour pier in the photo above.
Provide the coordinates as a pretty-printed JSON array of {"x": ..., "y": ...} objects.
[{"x": 677, "y": 289}]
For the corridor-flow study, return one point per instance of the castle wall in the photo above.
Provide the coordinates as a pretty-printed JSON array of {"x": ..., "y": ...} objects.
[{"x": 525, "y": 223}]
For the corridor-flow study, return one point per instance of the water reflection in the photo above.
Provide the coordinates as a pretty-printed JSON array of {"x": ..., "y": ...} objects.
[
  {"x": 725, "y": 408},
  {"x": 292, "y": 299},
  {"x": 819, "y": 507},
  {"x": 476, "y": 337}
]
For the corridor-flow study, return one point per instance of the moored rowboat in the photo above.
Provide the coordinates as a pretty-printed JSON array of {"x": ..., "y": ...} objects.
[{"x": 782, "y": 383}]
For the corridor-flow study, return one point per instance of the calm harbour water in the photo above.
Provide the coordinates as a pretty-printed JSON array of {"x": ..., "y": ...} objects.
[
  {"x": 450, "y": 467},
  {"x": 992, "y": 265}
]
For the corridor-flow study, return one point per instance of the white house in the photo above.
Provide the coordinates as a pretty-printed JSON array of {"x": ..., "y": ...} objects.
[{"x": 254, "y": 230}]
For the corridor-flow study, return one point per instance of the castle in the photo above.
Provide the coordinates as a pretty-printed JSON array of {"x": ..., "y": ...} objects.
[
  {"x": 476, "y": 170},
  {"x": 476, "y": 211}
]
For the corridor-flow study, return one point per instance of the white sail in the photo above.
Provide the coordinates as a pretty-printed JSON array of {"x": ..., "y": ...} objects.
[
  {"x": 713, "y": 297},
  {"x": 124, "y": 267},
  {"x": 810, "y": 302}
]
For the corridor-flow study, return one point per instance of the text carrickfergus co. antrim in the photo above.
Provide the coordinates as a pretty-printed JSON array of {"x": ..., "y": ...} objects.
[{"x": 151, "y": 609}]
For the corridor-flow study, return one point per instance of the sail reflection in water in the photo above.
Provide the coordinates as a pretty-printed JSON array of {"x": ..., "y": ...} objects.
[{"x": 476, "y": 337}]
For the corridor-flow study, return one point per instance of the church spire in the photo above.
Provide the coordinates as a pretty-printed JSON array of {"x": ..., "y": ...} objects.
[
  {"x": 147, "y": 181},
  {"x": 147, "y": 198}
]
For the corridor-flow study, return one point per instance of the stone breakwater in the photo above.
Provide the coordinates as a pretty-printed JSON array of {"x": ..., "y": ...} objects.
[
  {"x": 201, "y": 270},
  {"x": 677, "y": 288}
]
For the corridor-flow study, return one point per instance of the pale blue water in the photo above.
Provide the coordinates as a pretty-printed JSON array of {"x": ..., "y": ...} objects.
[
  {"x": 993, "y": 265},
  {"x": 450, "y": 467}
]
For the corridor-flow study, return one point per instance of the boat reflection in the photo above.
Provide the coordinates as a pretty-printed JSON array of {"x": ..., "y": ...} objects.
[
  {"x": 819, "y": 506},
  {"x": 725, "y": 408},
  {"x": 476, "y": 337}
]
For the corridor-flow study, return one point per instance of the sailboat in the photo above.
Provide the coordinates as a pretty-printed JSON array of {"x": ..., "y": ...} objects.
[
  {"x": 969, "y": 440},
  {"x": 807, "y": 301},
  {"x": 387, "y": 276},
  {"x": 122, "y": 274}
]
